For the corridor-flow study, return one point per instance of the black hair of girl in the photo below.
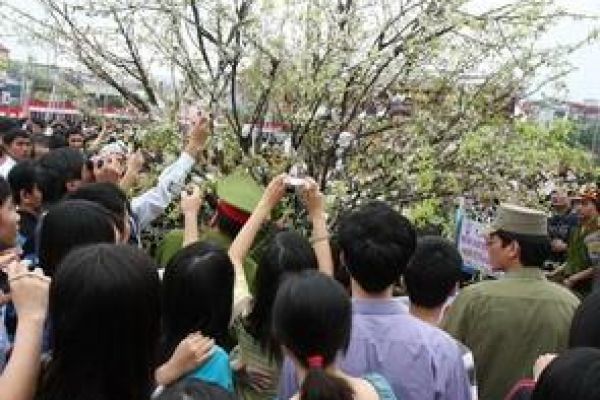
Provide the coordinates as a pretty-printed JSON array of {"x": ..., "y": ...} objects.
[
  {"x": 585, "y": 326},
  {"x": 5, "y": 191},
  {"x": 194, "y": 389},
  {"x": 197, "y": 295},
  {"x": 287, "y": 252},
  {"x": 573, "y": 375},
  {"x": 105, "y": 317},
  {"x": 71, "y": 224},
  {"x": 312, "y": 319},
  {"x": 109, "y": 196}
]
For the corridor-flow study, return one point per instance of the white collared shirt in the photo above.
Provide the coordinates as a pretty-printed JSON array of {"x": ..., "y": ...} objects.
[
  {"x": 6, "y": 166},
  {"x": 151, "y": 204}
]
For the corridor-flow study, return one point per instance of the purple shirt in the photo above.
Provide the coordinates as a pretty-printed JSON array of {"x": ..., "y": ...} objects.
[{"x": 421, "y": 362}]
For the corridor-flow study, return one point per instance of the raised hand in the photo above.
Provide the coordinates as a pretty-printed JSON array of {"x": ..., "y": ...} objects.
[
  {"x": 191, "y": 201},
  {"x": 198, "y": 136},
  {"x": 108, "y": 170},
  {"x": 135, "y": 162},
  {"x": 28, "y": 291},
  {"x": 274, "y": 192},
  {"x": 189, "y": 354},
  {"x": 313, "y": 199}
]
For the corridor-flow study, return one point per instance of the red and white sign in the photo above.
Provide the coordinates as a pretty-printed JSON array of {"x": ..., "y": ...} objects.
[{"x": 65, "y": 108}]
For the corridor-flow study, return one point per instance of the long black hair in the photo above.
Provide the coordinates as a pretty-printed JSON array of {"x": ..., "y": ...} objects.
[
  {"x": 574, "y": 375},
  {"x": 109, "y": 196},
  {"x": 197, "y": 295},
  {"x": 585, "y": 326},
  {"x": 312, "y": 319},
  {"x": 70, "y": 224},
  {"x": 287, "y": 252},
  {"x": 105, "y": 321}
]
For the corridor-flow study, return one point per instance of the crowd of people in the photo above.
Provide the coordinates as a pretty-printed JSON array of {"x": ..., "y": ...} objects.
[{"x": 243, "y": 307}]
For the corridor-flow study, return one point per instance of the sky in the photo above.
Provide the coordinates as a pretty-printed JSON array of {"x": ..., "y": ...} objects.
[
  {"x": 582, "y": 84},
  {"x": 585, "y": 82}
]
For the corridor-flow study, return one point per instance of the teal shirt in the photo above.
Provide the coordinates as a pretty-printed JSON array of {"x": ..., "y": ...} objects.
[
  {"x": 216, "y": 370},
  {"x": 381, "y": 386}
]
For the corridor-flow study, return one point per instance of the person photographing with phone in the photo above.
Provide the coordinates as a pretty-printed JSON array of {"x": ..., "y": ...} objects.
[{"x": 257, "y": 359}]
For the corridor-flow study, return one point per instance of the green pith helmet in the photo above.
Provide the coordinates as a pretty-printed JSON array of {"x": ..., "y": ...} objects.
[
  {"x": 240, "y": 190},
  {"x": 520, "y": 220}
]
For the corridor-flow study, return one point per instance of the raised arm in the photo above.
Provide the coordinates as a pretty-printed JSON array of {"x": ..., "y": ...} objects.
[
  {"x": 135, "y": 163},
  {"x": 243, "y": 241},
  {"x": 197, "y": 137},
  {"x": 189, "y": 354},
  {"x": 29, "y": 292},
  {"x": 579, "y": 277},
  {"x": 100, "y": 139},
  {"x": 242, "y": 244},
  {"x": 190, "y": 208},
  {"x": 151, "y": 204},
  {"x": 315, "y": 205}
]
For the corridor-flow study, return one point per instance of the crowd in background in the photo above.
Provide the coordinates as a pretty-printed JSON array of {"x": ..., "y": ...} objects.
[{"x": 244, "y": 307}]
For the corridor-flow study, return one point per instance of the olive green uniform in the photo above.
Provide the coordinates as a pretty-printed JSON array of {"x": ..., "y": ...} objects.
[
  {"x": 583, "y": 253},
  {"x": 508, "y": 324}
]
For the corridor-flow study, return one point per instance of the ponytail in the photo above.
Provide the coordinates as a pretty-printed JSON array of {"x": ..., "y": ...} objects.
[
  {"x": 312, "y": 317},
  {"x": 320, "y": 385}
]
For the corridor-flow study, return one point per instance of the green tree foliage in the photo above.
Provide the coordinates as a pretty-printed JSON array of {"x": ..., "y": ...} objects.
[{"x": 426, "y": 88}]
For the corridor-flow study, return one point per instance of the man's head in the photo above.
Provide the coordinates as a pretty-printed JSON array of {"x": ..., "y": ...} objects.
[
  {"x": 41, "y": 145},
  {"x": 23, "y": 180},
  {"x": 75, "y": 138},
  {"x": 575, "y": 201},
  {"x": 60, "y": 172},
  {"x": 433, "y": 273},
  {"x": 57, "y": 141},
  {"x": 9, "y": 219},
  {"x": 590, "y": 206},
  {"x": 18, "y": 144},
  {"x": 376, "y": 243},
  {"x": 518, "y": 238},
  {"x": 37, "y": 126},
  {"x": 560, "y": 200},
  {"x": 7, "y": 125}
]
